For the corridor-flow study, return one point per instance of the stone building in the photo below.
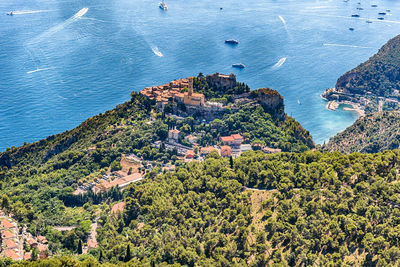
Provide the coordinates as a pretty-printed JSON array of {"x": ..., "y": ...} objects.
[
  {"x": 191, "y": 98},
  {"x": 173, "y": 135}
]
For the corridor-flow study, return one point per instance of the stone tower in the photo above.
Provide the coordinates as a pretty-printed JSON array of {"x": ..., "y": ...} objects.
[{"x": 190, "y": 89}]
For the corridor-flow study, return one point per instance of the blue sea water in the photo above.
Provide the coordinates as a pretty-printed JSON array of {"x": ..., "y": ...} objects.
[{"x": 62, "y": 61}]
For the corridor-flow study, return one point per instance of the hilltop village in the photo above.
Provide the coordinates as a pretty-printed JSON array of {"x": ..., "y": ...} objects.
[{"x": 179, "y": 100}]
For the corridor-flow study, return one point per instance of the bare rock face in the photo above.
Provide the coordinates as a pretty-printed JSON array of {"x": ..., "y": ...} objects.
[
  {"x": 221, "y": 81},
  {"x": 270, "y": 99}
]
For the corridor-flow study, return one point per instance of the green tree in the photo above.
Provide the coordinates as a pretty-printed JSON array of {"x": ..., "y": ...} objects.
[{"x": 79, "y": 247}]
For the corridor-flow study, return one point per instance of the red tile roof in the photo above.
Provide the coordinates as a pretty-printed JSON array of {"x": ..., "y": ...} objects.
[
  {"x": 226, "y": 139},
  {"x": 7, "y": 224},
  {"x": 226, "y": 150},
  {"x": 7, "y": 234},
  {"x": 10, "y": 244},
  {"x": 28, "y": 256},
  {"x": 9, "y": 253},
  {"x": 236, "y": 136}
]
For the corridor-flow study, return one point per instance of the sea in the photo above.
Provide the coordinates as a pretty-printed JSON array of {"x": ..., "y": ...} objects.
[{"x": 63, "y": 61}]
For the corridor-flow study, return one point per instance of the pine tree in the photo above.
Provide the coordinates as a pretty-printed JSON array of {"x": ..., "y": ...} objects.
[
  {"x": 128, "y": 254},
  {"x": 80, "y": 247},
  {"x": 231, "y": 161}
]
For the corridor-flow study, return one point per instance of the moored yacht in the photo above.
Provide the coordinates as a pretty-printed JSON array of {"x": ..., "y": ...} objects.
[
  {"x": 239, "y": 65},
  {"x": 231, "y": 41},
  {"x": 163, "y": 5}
]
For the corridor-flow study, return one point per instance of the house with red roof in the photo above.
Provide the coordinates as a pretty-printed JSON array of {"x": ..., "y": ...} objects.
[
  {"x": 7, "y": 234},
  {"x": 7, "y": 224},
  {"x": 233, "y": 140},
  {"x": 9, "y": 253},
  {"x": 10, "y": 244},
  {"x": 226, "y": 151}
]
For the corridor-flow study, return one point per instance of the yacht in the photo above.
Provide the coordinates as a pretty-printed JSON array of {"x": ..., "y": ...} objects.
[
  {"x": 11, "y": 13},
  {"x": 351, "y": 29},
  {"x": 231, "y": 41},
  {"x": 381, "y": 18},
  {"x": 355, "y": 16},
  {"x": 239, "y": 65},
  {"x": 382, "y": 13},
  {"x": 163, "y": 5},
  {"x": 374, "y": 5}
]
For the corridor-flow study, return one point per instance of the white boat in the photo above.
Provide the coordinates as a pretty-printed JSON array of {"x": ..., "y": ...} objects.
[
  {"x": 163, "y": 5},
  {"x": 239, "y": 65},
  {"x": 11, "y": 13}
]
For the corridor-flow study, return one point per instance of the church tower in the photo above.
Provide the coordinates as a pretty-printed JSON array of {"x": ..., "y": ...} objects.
[{"x": 190, "y": 89}]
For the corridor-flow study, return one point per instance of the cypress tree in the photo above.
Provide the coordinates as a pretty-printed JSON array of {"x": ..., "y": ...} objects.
[
  {"x": 231, "y": 161},
  {"x": 101, "y": 256},
  {"x": 80, "y": 247},
  {"x": 128, "y": 254}
]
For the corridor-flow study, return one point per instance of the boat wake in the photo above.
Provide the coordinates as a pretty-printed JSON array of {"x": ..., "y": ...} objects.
[
  {"x": 279, "y": 63},
  {"x": 23, "y": 12},
  {"x": 37, "y": 70},
  {"x": 344, "y": 45},
  {"x": 60, "y": 26},
  {"x": 284, "y": 25},
  {"x": 283, "y": 20},
  {"x": 156, "y": 51}
]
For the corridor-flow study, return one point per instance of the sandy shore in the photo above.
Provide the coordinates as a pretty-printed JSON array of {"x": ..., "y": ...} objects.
[{"x": 333, "y": 105}]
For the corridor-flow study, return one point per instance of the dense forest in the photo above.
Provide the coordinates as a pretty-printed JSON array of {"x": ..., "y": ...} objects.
[
  {"x": 372, "y": 133},
  {"x": 289, "y": 209}
]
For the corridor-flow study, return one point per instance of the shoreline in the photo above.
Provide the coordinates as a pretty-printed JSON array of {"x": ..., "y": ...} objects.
[{"x": 332, "y": 105}]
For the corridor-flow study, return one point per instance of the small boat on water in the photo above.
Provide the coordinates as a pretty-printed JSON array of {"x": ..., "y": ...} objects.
[
  {"x": 11, "y": 13},
  {"x": 382, "y": 13},
  {"x": 374, "y": 5},
  {"x": 368, "y": 21},
  {"x": 298, "y": 101},
  {"x": 239, "y": 65},
  {"x": 231, "y": 41},
  {"x": 380, "y": 18},
  {"x": 360, "y": 8},
  {"x": 355, "y": 16},
  {"x": 351, "y": 29},
  {"x": 162, "y": 5}
]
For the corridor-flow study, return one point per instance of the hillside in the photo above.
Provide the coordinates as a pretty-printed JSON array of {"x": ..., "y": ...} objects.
[
  {"x": 66, "y": 180},
  {"x": 289, "y": 209},
  {"x": 374, "y": 84},
  {"x": 372, "y": 133}
]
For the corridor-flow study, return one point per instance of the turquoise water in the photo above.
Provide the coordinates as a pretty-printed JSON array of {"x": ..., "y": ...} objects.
[{"x": 62, "y": 61}]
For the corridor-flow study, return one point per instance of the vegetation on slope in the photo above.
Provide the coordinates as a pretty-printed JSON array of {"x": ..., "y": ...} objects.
[
  {"x": 379, "y": 75},
  {"x": 317, "y": 208},
  {"x": 37, "y": 180},
  {"x": 372, "y": 133}
]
